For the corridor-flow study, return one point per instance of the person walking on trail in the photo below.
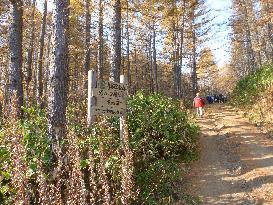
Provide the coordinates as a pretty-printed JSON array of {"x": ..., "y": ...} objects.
[{"x": 199, "y": 103}]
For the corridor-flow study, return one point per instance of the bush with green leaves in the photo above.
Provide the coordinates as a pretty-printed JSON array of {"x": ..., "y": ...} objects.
[
  {"x": 5, "y": 171},
  {"x": 161, "y": 137},
  {"x": 35, "y": 138},
  {"x": 252, "y": 86},
  {"x": 33, "y": 134}
]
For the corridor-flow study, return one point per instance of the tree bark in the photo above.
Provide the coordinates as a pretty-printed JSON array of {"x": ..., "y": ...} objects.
[
  {"x": 34, "y": 73},
  {"x": 101, "y": 44},
  {"x": 150, "y": 56},
  {"x": 30, "y": 53},
  {"x": 116, "y": 58},
  {"x": 251, "y": 54},
  {"x": 136, "y": 71},
  {"x": 15, "y": 44},
  {"x": 193, "y": 32},
  {"x": 128, "y": 47},
  {"x": 87, "y": 38},
  {"x": 57, "y": 97},
  {"x": 40, "y": 58},
  {"x": 175, "y": 67},
  {"x": 194, "y": 75},
  {"x": 181, "y": 48},
  {"x": 48, "y": 50},
  {"x": 267, "y": 7},
  {"x": 86, "y": 173},
  {"x": 155, "y": 83}
]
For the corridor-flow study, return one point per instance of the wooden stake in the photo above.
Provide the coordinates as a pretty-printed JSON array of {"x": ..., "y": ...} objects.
[
  {"x": 122, "y": 120},
  {"x": 92, "y": 83}
]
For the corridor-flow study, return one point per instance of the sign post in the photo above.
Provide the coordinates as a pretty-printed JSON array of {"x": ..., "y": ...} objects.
[
  {"x": 92, "y": 83},
  {"x": 122, "y": 120},
  {"x": 110, "y": 99}
]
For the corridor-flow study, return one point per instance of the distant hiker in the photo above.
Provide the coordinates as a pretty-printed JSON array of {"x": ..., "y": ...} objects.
[
  {"x": 212, "y": 98},
  {"x": 209, "y": 99},
  {"x": 199, "y": 103},
  {"x": 225, "y": 98},
  {"x": 215, "y": 98},
  {"x": 221, "y": 99}
]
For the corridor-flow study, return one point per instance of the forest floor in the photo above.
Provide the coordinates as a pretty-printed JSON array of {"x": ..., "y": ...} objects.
[{"x": 236, "y": 161}]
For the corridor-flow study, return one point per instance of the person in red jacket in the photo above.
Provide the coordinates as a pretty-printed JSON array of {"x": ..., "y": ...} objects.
[{"x": 199, "y": 103}]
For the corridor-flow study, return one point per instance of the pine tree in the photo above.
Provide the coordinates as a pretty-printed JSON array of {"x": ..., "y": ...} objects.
[
  {"x": 15, "y": 44},
  {"x": 40, "y": 88},
  {"x": 116, "y": 55},
  {"x": 58, "y": 86}
]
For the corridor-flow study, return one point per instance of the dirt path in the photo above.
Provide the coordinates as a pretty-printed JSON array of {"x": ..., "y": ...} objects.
[{"x": 236, "y": 162}]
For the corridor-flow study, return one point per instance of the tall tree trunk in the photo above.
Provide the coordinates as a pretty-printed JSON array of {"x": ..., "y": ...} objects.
[
  {"x": 122, "y": 67},
  {"x": 6, "y": 86},
  {"x": 87, "y": 39},
  {"x": 194, "y": 75},
  {"x": 178, "y": 69},
  {"x": 30, "y": 53},
  {"x": 40, "y": 58},
  {"x": 269, "y": 33},
  {"x": 258, "y": 41},
  {"x": 136, "y": 70},
  {"x": 145, "y": 67},
  {"x": 181, "y": 47},
  {"x": 15, "y": 44},
  {"x": 86, "y": 173},
  {"x": 75, "y": 81},
  {"x": 101, "y": 44},
  {"x": 193, "y": 31},
  {"x": 116, "y": 58},
  {"x": 35, "y": 69},
  {"x": 128, "y": 47},
  {"x": 175, "y": 67},
  {"x": 46, "y": 71},
  {"x": 57, "y": 97},
  {"x": 251, "y": 54},
  {"x": 151, "y": 64},
  {"x": 155, "y": 83},
  {"x": 267, "y": 7}
]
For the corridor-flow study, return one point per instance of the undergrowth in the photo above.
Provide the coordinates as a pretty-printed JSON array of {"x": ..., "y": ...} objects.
[
  {"x": 254, "y": 94},
  {"x": 252, "y": 86},
  {"x": 161, "y": 137}
]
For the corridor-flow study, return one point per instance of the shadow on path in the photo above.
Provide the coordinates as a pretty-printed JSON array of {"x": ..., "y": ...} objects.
[{"x": 236, "y": 161}]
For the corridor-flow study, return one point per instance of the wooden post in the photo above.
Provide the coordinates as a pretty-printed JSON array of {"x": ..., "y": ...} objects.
[
  {"x": 92, "y": 83},
  {"x": 122, "y": 119}
]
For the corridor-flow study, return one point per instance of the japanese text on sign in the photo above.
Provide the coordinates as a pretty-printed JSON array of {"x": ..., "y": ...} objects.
[{"x": 110, "y": 99}]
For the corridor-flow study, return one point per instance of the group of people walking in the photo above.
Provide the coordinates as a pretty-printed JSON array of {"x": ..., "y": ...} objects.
[
  {"x": 216, "y": 98},
  {"x": 199, "y": 102}
]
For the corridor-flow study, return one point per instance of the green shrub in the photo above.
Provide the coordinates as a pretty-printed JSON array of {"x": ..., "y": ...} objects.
[
  {"x": 35, "y": 138},
  {"x": 5, "y": 171},
  {"x": 158, "y": 129},
  {"x": 161, "y": 137},
  {"x": 33, "y": 129},
  {"x": 253, "y": 85}
]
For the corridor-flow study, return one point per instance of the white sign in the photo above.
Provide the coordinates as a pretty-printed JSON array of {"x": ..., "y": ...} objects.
[{"x": 110, "y": 99}]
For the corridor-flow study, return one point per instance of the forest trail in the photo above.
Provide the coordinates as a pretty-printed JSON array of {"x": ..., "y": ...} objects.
[{"x": 236, "y": 161}]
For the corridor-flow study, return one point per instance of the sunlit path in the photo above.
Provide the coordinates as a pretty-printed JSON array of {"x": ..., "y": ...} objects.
[{"x": 236, "y": 162}]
